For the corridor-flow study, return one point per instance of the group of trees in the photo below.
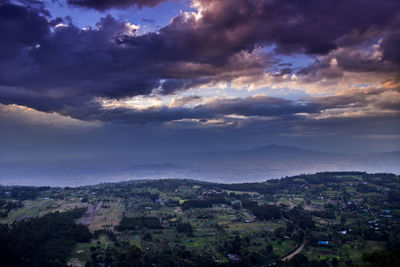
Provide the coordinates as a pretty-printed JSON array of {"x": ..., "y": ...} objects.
[
  {"x": 121, "y": 255},
  {"x": 196, "y": 203},
  {"x": 300, "y": 217},
  {"x": 42, "y": 241},
  {"x": 327, "y": 214},
  {"x": 266, "y": 212},
  {"x": 262, "y": 212},
  {"x": 25, "y": 192},
  {"x": 383, "y": 258},
  {"x": 184, "y": 228},
  {"x": 7, "y": 206}
]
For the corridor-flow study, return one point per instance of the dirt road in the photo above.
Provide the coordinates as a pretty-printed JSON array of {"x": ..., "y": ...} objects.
[
  {"x": 300, "y": 248},
  {"x": 297, "y": 251}
]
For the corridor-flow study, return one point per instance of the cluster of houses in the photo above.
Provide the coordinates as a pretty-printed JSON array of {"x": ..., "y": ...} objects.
[{"x": 233, "y": 257}]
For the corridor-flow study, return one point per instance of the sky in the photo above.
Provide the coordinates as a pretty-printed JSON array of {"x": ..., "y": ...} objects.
[{"x": 105, "y": 78}]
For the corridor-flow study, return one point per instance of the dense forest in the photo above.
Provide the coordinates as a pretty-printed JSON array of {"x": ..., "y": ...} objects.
[{"x": 43, "y": 241}]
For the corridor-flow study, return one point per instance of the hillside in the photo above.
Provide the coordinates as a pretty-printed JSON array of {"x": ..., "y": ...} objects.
[{"x": 330, "y": 218}]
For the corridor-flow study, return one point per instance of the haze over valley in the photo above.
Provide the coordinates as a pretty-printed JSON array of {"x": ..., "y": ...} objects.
[{"x": 252, "y": 165}]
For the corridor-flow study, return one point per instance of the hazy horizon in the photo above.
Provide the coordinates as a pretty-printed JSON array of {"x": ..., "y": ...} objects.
[{"x": 230, "y": 166}]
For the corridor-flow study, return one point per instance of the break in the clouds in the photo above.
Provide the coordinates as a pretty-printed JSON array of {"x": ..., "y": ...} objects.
[{"x": 226, "y": 64}]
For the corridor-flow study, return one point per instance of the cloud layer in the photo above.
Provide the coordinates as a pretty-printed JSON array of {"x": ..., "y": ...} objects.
[{"x": 51, "y": 65}]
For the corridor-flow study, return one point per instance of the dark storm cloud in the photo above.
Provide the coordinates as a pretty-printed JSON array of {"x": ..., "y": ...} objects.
[
  {"x": 65, "y": 68},
  {"x": 391, "y": 48},
  {"x": 310, "y": 26},
  {"x": 19, "y": 27},
  {"x": 358, "y": 59},
  {"x": 70, "y": 65},
  {"x": 107, "y": 4}
]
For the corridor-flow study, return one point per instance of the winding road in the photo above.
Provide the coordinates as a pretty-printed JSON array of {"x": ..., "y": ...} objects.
[
  {"x": 297, "y": 251},
  {"x": 300, "y": 248}
]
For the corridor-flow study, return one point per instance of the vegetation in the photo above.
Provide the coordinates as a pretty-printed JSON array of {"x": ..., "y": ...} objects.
[
  {"x": 44, "y": 241},
  {"x": 328, "y": 219},
  {"x": 184, "y": 228},
  {"x": 137, "y": 223},
  {"x": 195, "y": 203}
]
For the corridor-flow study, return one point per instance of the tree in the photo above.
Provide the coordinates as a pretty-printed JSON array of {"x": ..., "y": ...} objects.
[
  {"x": 130, "y": 257},
  {"x": 299, "y": 260},
  {"x": 184, "y": 228}
]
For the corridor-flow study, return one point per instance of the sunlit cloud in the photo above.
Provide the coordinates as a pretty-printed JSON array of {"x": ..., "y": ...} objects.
[{"x": 25, "y": 115}]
